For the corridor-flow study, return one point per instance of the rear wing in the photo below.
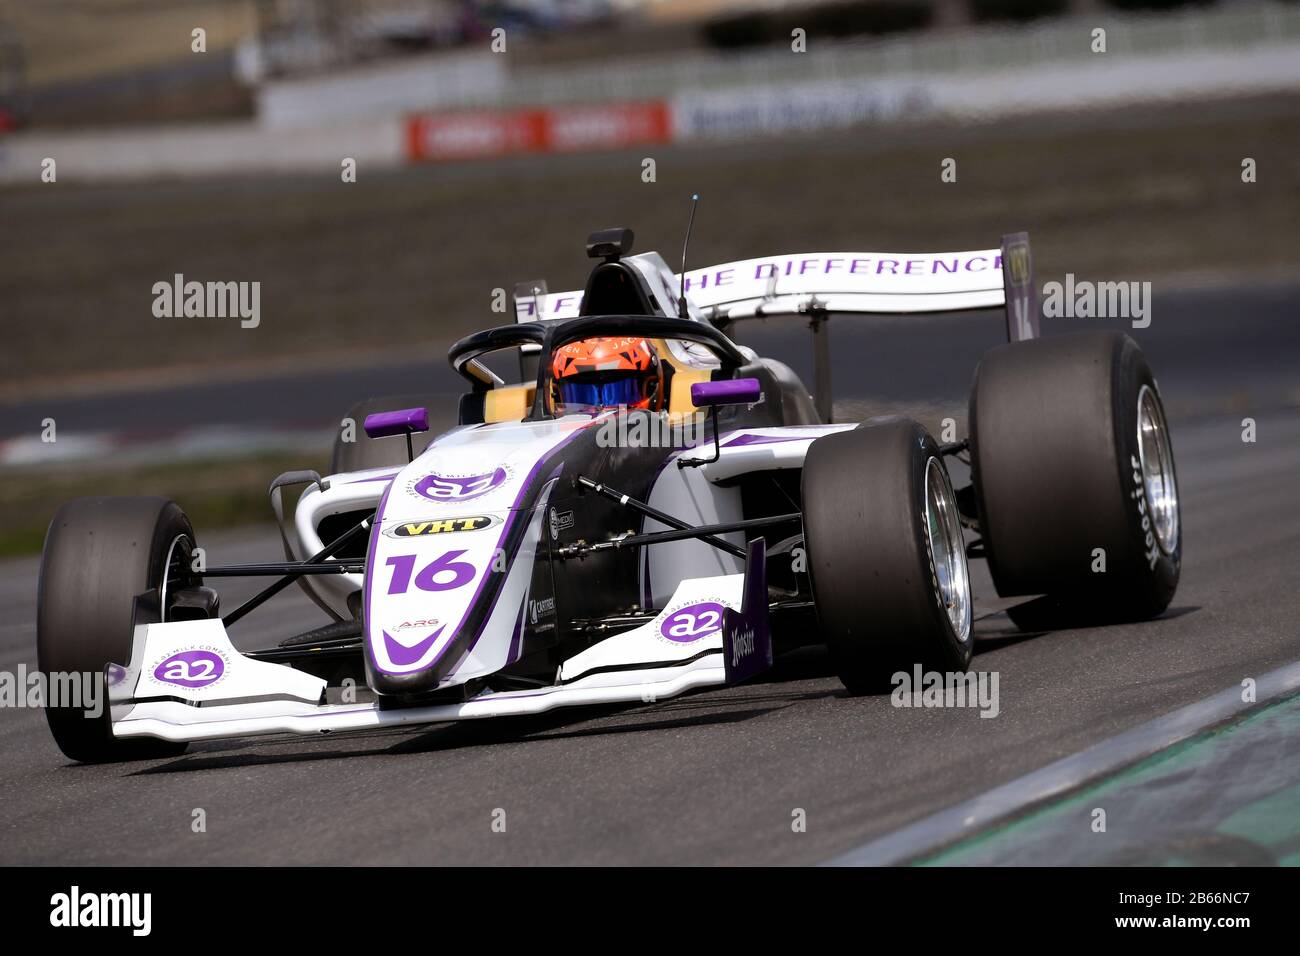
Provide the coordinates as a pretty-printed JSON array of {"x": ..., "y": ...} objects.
[
  {"x": 819, "y": 285},
  {"x": 864, "y": 283}
]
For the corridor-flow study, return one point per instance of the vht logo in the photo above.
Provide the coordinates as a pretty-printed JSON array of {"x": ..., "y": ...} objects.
[{"x": 418, "y": 529}]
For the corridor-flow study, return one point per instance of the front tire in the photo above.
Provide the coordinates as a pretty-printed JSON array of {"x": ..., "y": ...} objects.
[
  {"x": 886, "y": 554},
  {"x": 1075, "y": 482},
  {"x": 100, "y": 554}
]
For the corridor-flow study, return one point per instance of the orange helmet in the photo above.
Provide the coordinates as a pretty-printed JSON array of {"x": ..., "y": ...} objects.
[{"x": 607, "y": 372}]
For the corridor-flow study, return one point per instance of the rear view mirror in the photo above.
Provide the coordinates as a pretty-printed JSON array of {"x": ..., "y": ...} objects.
[
  {"x": 403, "y": 421},
  {"x": 713, "y": 395},
  {"x": 736, "y": 391}
]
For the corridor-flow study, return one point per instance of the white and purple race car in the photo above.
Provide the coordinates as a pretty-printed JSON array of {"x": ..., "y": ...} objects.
[{"x": 579, "y": 539}]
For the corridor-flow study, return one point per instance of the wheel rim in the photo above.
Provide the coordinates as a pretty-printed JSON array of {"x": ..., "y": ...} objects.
[
  {"x": 1157, "y": 459},
  {"x": 947, "y": 549},
  {"x": 173, "y": 570}
]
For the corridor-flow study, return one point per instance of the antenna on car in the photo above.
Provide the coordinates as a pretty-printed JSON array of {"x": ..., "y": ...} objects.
[{"x": 682, "y": 313}]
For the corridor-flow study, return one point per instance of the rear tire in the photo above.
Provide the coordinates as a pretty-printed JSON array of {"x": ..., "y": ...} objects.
[
  {"x": 366, "y": 452},
  {"x": 100, "y": 553},
  {"x": 1071, "y": 454},
  {"x": 885, "y": 554}
]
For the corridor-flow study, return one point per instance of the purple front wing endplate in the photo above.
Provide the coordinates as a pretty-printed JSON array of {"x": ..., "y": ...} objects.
[{"x": 746, "y": 634}]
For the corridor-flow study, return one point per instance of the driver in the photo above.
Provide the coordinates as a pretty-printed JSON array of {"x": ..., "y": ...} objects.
[{"x": 608, "y": 373}]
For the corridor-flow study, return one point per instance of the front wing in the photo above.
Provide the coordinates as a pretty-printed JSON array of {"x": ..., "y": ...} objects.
[{"x": 187, "y": 682}]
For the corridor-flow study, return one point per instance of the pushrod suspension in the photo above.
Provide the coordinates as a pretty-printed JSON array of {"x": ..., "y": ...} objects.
[
  {"x": 659, "y": 537},
  {"x": 292, "y": 571},
  {"x": 642, "y": 508}
]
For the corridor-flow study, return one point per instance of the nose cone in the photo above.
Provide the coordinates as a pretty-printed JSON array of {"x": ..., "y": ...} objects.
[
  {"x": 451, "y": 556},
  {"x": 408, "y": 651}
]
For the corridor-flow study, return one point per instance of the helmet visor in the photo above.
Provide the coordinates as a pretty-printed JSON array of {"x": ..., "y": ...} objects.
[{"x": 608, "y": 394}]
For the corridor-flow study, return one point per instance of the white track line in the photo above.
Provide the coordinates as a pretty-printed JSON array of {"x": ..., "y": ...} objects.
[{"x": 1069, "y": 773}]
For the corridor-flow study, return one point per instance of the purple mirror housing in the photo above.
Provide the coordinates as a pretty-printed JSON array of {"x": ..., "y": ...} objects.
[
  {"x": 713, "y": 395},
  {"x": 403, "y": 421},
  {"x": 736, "y": 391}
]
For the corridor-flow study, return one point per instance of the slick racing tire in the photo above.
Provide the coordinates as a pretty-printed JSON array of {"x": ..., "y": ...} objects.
[
  {"x": 100, "y": 554},
  {"x": 886, "y": 554},
  {"x": 1074, "y": 480},
  {"x": 366, "y": 452}
]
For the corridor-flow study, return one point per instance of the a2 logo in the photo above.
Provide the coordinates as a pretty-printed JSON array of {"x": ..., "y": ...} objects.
[
  {"x": 692, "y": 622},
  {"x": 457, "y": 488},
  {"x": 192, "y": 669}
]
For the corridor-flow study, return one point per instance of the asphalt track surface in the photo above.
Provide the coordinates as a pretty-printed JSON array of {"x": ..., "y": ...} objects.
[{"x": 717, "y": 777}]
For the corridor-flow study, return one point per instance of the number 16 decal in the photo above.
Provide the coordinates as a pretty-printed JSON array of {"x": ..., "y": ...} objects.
[{"x": 444, "y": 573}]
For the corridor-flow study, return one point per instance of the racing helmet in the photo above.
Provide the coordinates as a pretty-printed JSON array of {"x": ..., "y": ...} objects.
[{"x": 608, "y": 372}]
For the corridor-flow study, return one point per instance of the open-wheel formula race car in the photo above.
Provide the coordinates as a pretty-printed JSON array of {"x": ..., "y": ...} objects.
[{"x": 649, "y": 510}]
